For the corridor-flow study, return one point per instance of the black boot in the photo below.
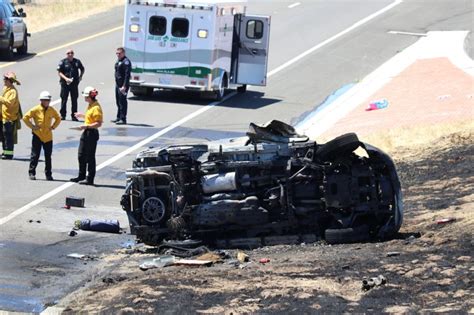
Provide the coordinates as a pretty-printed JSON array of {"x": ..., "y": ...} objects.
[
  {"x": 89, "y": 182},
  {"x": 77, "y": 179}
]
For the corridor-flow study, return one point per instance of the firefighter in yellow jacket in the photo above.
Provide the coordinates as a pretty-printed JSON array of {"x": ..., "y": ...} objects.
[
  {"x": 93, "y": 119},
  {"x": 42, "y": 126},
  {"x": 10, "y": 114}
]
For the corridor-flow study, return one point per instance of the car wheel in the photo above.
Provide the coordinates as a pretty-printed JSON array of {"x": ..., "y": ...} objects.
[
  {"x": 23, "y": 49},
  {"x": 349, "y": 235},
  {"x": 340, "y": 145},
  {"x": 8, "y": 53}
]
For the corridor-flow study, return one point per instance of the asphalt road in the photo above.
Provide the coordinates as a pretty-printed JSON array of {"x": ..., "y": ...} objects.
[{"x": 34, "y": 269}]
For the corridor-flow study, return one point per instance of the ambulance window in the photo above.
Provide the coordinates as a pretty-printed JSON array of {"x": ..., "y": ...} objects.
[
  {"x": 180, "y": 27},
  {"x": 157, "y": 25},
  {"x": 254, "y": 29}
]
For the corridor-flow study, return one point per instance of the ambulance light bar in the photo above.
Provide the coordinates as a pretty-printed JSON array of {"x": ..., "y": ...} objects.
[{"x": 171, "y": 5}]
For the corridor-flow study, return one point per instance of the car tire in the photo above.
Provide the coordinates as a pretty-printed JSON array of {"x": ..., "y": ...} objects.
[
  {"x": 348, "y": 235},
  {"x": 340, "y": 145},
  {"x": 23, "y": 49},
  {"x": 8, "y": 52}
]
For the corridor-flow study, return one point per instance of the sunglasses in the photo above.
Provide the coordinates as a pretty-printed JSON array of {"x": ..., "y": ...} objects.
[{"x": 70, "y": 53}]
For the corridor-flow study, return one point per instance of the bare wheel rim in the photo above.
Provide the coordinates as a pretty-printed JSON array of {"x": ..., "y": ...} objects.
[
  {"x": 221, "y": 90},
  {"x": 153, "y": 210}
]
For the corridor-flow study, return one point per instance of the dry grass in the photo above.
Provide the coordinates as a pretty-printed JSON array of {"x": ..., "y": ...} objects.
[
  {"x": 394, "y": 139},
  {"x": 44, "y": 14}
]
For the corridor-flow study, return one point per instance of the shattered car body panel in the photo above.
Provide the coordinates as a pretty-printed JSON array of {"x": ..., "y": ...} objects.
[{"x": 276, "y": 187}]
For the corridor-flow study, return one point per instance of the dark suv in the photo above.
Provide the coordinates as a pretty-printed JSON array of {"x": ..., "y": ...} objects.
[
  {"x": 13, "y": 31},
  {"x": 273, "y": 187}
]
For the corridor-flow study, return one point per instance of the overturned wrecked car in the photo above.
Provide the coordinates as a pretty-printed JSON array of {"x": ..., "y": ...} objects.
[{"x": 274, "y": 186}]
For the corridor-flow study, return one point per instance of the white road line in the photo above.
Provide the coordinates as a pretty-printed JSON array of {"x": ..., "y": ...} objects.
[
  {"x": 333, "y": 38},
  {"x": 114, "y": 159},
  {"x": 66, "y": 45},
  {"x": 291, "y": 6},
  {"x": 407, "y": 33},
  {"x": 191, "y": 116}
]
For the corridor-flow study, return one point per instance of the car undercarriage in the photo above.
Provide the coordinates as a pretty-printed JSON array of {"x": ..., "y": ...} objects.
[{"x": 276, "y": 187}]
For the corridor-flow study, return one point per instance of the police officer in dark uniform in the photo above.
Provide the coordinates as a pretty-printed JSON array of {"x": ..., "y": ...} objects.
[
  {"x": 123, "y": 67},
  {"x": 70, "y": 72}
]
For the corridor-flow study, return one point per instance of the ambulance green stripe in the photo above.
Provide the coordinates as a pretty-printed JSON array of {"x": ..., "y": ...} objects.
[{"x": 193, "y": 72}]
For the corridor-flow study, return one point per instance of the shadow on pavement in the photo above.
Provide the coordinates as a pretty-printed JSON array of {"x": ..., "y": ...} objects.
[
  {"x": 249, "y": 99},
  {"x": 18, "y": 58},
  {"x": 121, "y": 187}
]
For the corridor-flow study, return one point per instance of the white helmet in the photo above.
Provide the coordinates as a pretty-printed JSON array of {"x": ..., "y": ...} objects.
[
  {"x": 45, "y": 95},
  {"x": 90, "y": 91}
]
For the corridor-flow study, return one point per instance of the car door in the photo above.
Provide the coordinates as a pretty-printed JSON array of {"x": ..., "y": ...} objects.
[
  {"x": 253, "y": 52},
  {"x": 16, "y": 23}
]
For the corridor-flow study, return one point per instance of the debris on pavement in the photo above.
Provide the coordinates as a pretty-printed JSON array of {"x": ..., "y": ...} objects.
[
  {"x": 168, "y": 249},
  {"x": 193, "y": 262},
  {"x": 444, "y": 97},
  {"x": 82, "y": 256},
  {"x": 446, "y": 220},
  {"x": 264, "y": 260},
  {"x": 158, "y": 262},
  {"x": 72, "y": 233},
  {"x": 379, "y": 104},
  {"x": 224, "y": 254},
  {"x": 72, "y": 201},
  {"x": 242, "y": 257},
  {"x": 368, "y": 284},
  {"x": 108, "y": 226},
  {"x": 213, "y": 257},
  {"x": 393, "y": 254}
]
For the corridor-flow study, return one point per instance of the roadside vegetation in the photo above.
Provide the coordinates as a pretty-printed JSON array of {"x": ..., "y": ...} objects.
[{"x": 44, "y": 14}]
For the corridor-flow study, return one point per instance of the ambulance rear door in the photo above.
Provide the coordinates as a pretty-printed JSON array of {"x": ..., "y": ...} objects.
[
  {"x": 156, "y": 47},
  {"x": 253, "y": 50}
]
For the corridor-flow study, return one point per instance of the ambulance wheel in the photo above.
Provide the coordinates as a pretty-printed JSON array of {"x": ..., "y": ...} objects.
[
  {"x": 149, "y": 92},
  {"x": 141, "y": 91},
  {"x": 242, "y": 88},
  {"x": 220, "y": 92}
]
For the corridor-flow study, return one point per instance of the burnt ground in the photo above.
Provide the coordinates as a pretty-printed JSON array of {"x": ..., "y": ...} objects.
[{"x": 432, "y": 271}]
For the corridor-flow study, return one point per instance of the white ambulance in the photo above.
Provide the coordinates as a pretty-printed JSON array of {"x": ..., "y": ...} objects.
[{"x": 199, "y": 45}]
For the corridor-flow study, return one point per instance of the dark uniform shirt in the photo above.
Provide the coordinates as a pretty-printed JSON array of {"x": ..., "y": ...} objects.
[
  {"x": 123, "y": 68},
  {"x": 70, "y": 69}
]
